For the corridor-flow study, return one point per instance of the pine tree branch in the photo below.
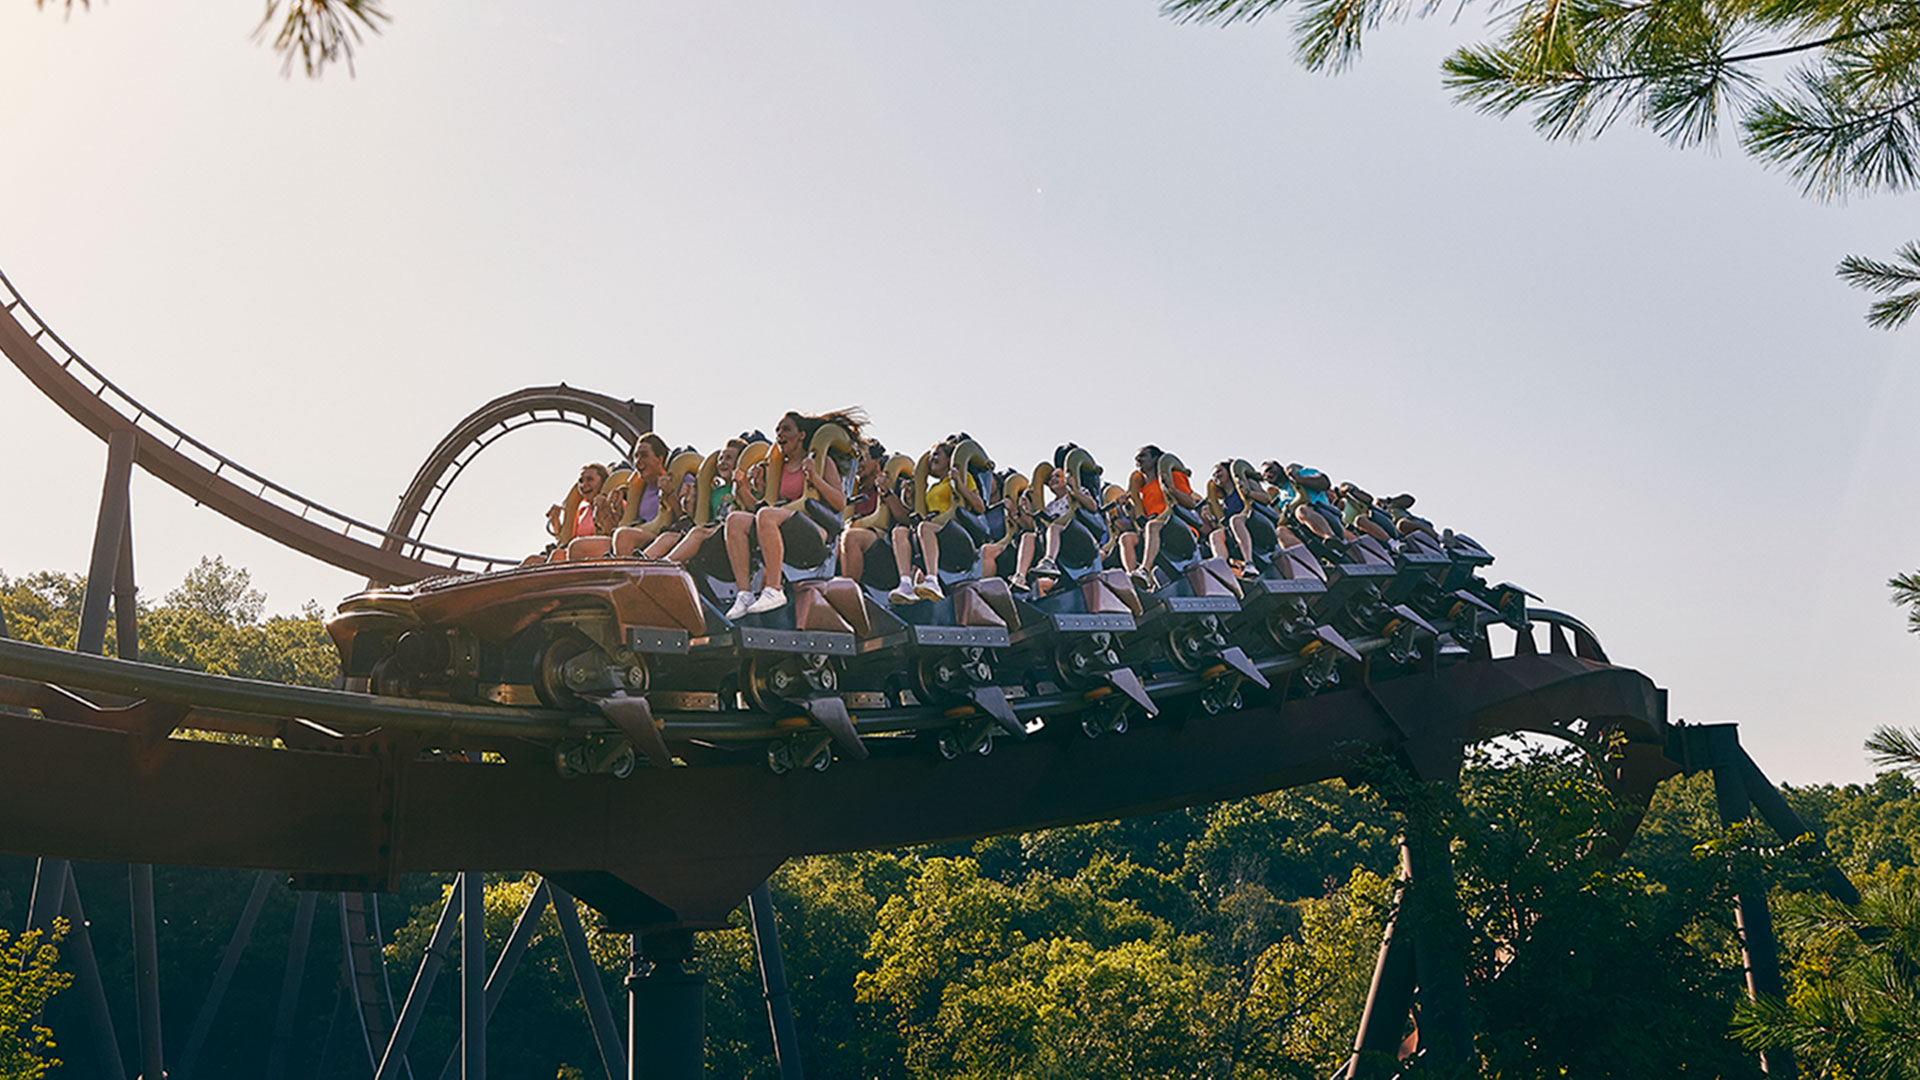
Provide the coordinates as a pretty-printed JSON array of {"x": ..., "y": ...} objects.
[
  {"x": 319, "y": 32},
  {"x": 1895, "y": 747}
]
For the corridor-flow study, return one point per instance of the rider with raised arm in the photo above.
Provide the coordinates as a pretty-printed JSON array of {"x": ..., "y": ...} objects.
[
  {"x": 785, "y": 522},
  {"x": 1302, "y": 495},
  {"x": 719, "y": 503},
  {"x": 645, "y": 489},
  {"x": 576, "y": 518},
  {"x": 942, "y": 493}
]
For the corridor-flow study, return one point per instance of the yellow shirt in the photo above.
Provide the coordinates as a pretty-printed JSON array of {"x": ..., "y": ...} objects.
[{"x": 940, "y": 495}]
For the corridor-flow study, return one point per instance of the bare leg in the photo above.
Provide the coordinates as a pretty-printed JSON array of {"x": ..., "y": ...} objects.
[
  {"x": 1238, "y": 523},
  {"x": 853, "y": 552},
  {"x": 1130, "y": 552},
  {"x": 1024, "y": 561},
  {"x": 740, "y": 548},
  {"x": 1054, "y": 532},
  {"x": 903, "y": 552},
  {"x": 930, "y": 548},
  {"x": 589, "y": 547},
  {"x": 684, "y": 551},
  {"x": 1217, "y": 540},
  {"x": 659, "y": 548},
  {"x": 1152, "y": 550},
  {"x": 1371, "y": 527},
  {"x": 773, "y": 547}
]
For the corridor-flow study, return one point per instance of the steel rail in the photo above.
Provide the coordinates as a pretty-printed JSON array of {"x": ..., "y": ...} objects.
[
  {"x": 231, "y": 701},
  {"x": 202, "y": 473}
]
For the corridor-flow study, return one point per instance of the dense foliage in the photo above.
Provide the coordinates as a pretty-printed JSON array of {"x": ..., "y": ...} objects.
[{"x": 1233, "y": 941}]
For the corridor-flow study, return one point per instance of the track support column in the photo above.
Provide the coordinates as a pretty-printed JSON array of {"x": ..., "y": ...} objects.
[
  {"x": 1389, "y": 1000},
  {"x": 146, "y": 967},
  {"x": 473, "y": 975},
  {"x": 108, "y": 534},
  {"x": 773, "y": 982},
  {"x": 666, "y": 1009}
]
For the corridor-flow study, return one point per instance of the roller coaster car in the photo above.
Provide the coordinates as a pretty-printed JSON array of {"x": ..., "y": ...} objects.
[
  {"x": 551, "y": 633},
  {"x": 1070, "y": 638},
  {"x": 944, "y": 651},
  {"x": 1186, "y": 619}
]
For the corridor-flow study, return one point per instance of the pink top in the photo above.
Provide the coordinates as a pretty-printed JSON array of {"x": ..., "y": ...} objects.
[
  {"x": 583, "y": 519},
  {"x": 793, "y": 482}
]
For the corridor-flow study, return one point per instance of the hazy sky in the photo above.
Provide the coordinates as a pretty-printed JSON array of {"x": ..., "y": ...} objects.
[{"x": 1627, "y": 370}]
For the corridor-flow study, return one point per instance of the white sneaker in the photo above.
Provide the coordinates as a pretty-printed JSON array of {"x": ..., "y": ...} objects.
[
  {"x": 929, "y": 589},
  {"x": 770, "y": 600},
  {"x": 741, "y": 602},
  {"x": 902, "y": 594}
]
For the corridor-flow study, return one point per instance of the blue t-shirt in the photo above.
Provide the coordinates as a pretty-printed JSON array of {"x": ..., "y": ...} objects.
[
  {"x": 1232, "y": 502},
  {"x": 1317, "y": 498}
]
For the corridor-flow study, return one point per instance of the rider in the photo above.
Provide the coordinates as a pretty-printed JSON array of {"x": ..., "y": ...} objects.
[
  {"x": 650, "y": 471},
  {"x": 591, "y": 486},
  {"x": 719, "y": 502},
  {"x": 781, "y": 526},
  {"x": 1150, "y": 501},
  {"x": 1065, "y": 494},
  {"x": 868, "y": 512},
  {"x": 1234, "y": 509},
  {"x": 1302, "y": 495},
  {"x": 941, "y": 494}
]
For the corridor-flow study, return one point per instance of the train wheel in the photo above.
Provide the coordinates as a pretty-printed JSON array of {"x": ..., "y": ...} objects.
[
  {"x": 1090, "y": 724},
  {"x": 769, "y": 684},
  {"x": 822, "y": 762},
  {"x": 623, "y": 763},
  {"x": 550, "y": 672},
  {"x": 389, "y": 679},
  {"x": 779, "y": 757},
  {"x": 986, "y": 745},
  {"x": 949, "y": 745}
]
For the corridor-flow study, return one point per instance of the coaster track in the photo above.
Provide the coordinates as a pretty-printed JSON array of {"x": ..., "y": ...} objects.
[{"x": 384, "y": 555}]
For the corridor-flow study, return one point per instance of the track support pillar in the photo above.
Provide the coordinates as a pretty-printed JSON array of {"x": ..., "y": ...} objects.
[
  {"x": 473, "y": 974},
  {"x": 666, "y": 1009},
  {"x": 146, "y": 967},
  {"x": 773, "y": 982}
]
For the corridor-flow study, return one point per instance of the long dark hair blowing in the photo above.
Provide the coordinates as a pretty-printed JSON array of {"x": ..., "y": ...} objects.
[{"x": 853, "y": 418}]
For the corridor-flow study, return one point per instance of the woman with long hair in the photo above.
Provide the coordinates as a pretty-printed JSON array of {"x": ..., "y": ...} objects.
[{"x": 783, "y": 522}]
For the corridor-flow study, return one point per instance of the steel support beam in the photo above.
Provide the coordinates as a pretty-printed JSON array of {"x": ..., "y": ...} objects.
[
  {"x": 393, "y": 1059},
  {"x": 107, "y": 535},
  {"x": 146, "y": 968},
  {"x": 126, "y": 606},
  {"x": 506, "y": 963},
  {"x": 295, "y": 973},
  {"x": 666, "y": 1009},
  {"x": 1446, "y": 1032},
  {"x": 223, "y": 975},
  {"x": 1753, "y": 919},
  {"x": 773, "y": 982},
  {"x": 86, "y": 977},
  {"x": 473, "y": 973},
  {"x": 1780, "y": 817},
  {"x": 593, "y": 993},
  {"x": 1389, "y": 999},
  {"x": 49, "y": 890}
]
